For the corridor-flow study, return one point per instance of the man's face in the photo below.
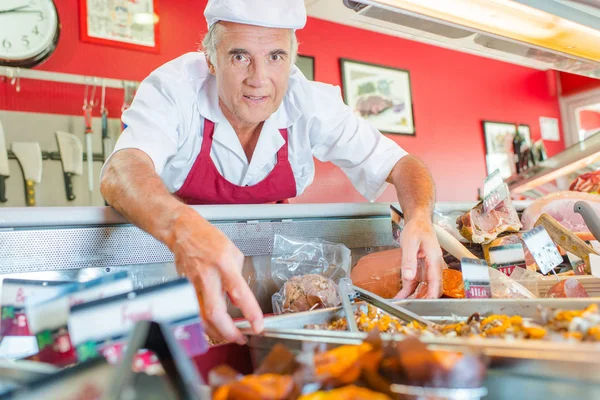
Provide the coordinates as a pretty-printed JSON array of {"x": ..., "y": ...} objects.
[{"x": 253, "y": 67}]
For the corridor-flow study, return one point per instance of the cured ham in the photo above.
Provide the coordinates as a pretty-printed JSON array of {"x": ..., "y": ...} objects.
[
  {"x": 478, "y": 226},
  {"x": 560, "y": 206}
]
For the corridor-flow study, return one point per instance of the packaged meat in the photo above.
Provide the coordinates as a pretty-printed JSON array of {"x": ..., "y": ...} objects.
[
  {"x": 452, "y": 286},
  {"x": 307, "y": 273},
  {"x": 480, "y": 227},
  {"x": 503, "y": 287},
  {"x": 560, "y": 206},
  {"x": 568, "y": 288},
  {"x": 588, "y": 183},
  {"x": 306, "y": 293},
  {"x": 515, "y": 238},
  {"x": 379, "y": 273}
]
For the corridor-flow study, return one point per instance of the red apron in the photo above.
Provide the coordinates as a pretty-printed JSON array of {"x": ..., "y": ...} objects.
[{"x": 205, "y": 185}]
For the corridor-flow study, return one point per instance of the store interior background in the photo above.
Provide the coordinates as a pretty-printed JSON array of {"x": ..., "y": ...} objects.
[{"x": 452, "y": 93}]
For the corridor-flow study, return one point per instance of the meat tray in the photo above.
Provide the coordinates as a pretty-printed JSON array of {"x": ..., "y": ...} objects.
[{"x": 533, "y": 358}]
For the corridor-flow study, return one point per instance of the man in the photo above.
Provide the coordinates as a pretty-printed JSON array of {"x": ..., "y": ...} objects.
[{"x": 240, "y": 124}]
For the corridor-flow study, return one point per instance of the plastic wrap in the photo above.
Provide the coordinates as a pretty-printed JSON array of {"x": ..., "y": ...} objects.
[
  {"x": 504, "y": 287},
  {"x": 447, "y": 221},
  {"x": 306, "y": 273}
]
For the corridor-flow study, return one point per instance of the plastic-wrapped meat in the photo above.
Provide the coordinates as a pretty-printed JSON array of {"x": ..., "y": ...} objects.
[
  {"x": 569, "y": 288},
  {"x": 588, "y": 183},
  {"x": 478, "y": 226},
  {"x": 511, "y": 239},
  {"x": 372, "y": 105},
  {"x": 560, "y": 206}
]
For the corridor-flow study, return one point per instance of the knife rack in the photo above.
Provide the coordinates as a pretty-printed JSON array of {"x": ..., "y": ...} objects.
[{"x": 55, "y": 156}]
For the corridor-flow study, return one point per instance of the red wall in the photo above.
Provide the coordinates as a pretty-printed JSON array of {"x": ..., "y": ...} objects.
[
  {"x": 589, "y": 120},
  {"x": 572, "y": 84},
  {"x": 452, "y": 92}
]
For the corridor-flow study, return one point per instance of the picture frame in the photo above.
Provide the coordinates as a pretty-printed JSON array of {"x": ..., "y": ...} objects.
[
  {"x": 117, "y": 23},
  {"x": 306, "y": 64},
  {"x": 380, "y": 94},
  {"x": 498, "y": 138}
]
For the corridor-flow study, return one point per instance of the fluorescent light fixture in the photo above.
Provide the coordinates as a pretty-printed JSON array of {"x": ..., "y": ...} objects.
[{"x": 509, "y": 19}]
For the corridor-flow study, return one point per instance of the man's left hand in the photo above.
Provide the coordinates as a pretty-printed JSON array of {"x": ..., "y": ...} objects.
[{"x": 419, "y": 243}]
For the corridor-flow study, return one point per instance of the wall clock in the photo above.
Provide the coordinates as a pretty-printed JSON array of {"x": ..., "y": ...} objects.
[{"x": 29, "y": 31}]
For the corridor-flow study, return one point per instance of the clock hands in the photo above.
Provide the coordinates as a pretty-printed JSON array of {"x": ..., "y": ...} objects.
[{"x": 16, "y": 9}]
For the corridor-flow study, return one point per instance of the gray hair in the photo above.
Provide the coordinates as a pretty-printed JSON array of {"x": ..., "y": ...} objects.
[{"x": 212, "y": 37}]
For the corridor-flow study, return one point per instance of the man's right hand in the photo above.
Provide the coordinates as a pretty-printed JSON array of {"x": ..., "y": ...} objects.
[{"x": 213, "y": 264}]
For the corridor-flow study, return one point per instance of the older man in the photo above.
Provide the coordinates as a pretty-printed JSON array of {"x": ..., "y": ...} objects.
[{"x": 240, "y": 124}]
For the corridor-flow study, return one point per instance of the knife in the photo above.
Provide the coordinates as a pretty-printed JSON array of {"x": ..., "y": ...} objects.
[
  {"x": 567, "y": 240},
  {"x": 4, "y": 170},
  {"x": 87, "y": 116},
  {"x": 71, "y": 156},
  {"x": 29, "y": 155}
]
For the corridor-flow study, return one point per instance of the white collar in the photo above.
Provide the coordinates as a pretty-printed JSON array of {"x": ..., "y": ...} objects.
[{"x": 270, "y": 139}]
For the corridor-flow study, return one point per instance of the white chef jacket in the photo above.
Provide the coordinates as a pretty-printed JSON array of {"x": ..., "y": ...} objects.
[{"x": 166, "y": 121}]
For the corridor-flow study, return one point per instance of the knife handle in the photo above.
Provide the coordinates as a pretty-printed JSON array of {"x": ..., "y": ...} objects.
[
  {"x": 29, "y": 193},
  {"x": 69, "y": 186},
  {"x": 3, "y": 198},
  {"x": 589, "y": 217},
  {"x": 567, "y": 239}
]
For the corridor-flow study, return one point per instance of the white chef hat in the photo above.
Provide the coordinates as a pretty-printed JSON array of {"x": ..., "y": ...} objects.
[{"x": 288, "y": 14}]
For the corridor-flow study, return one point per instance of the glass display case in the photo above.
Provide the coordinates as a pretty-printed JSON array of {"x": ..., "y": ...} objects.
[{"x": 558, "y": 172}]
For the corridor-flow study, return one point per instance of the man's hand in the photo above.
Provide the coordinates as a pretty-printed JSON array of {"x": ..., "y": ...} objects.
[
  {"x": 213, "y": 265},
  {"x": 420, "y": 246},
  {"x": 203, "y": 253},
  {"x": 416, "y": 195}
]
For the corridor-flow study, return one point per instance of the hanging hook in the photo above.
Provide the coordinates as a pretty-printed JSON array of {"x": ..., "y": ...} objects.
[
  {"x": 93, "y": 97},
  {"x": 16, "y": 79},
  {"x": 103, "y": 100},
  {"x": 85, "y": 95}
]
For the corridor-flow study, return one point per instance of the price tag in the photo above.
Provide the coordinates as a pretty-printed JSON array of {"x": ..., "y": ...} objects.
[
  {"x": 14, "y": 294},
  {"x": 495, "y": 191},
  {"x": 508, "y": 257},
  {"x": 397, "y": 223},
  {"x": 577, "y": 264},
  {"x": 47, "y": 315},
  {"x": 543, "y": 249},
  {"x": 595, "y": 265},
  {"x": 95, "y": 324},
  {"x": 476, "y": 278}
]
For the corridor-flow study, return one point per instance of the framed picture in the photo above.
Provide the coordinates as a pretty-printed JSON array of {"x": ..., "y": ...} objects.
[
  {"x": 128, "y": 24},
  {"x": 525, "y": 132},
  {"x": 499, "y": 147},
  {"x": 306, "y": 64},
  {"x": 382, "y": 95}
]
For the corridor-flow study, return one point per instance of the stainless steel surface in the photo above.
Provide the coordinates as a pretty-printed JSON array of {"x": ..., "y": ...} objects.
[
  {"x": 18, "y": 217},
  {"x": 346, "y": 291},
  {"x": 36, "y": 74},
  {"x": 391, "y": 308},
  {"x": 450, "y": 394},
  {"x": 29, "y": 155}
]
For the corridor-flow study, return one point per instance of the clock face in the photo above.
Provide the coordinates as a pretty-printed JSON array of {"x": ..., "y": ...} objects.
[{"x": 28, "y": 31}]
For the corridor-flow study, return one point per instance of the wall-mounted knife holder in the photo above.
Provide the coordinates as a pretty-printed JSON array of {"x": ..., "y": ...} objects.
[{"x": 55, "y": 156}]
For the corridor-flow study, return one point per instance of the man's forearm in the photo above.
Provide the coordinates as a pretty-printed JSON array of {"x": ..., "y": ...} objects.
[
  {"x": 130, "y": 185},
  {"x": 414, "y": 186}
]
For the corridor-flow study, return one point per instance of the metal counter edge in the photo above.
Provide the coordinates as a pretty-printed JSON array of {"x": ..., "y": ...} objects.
[{"x": 29, "y": 217}]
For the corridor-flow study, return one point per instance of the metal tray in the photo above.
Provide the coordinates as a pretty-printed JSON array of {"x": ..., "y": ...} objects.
[{"x": 289, "y": 330}]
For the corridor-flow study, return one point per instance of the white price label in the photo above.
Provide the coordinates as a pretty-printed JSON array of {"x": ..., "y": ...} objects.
[
  {"x": 476, "y": 278},
  {"x": 543, "y": 249},
  {"x": 494, "y": 191}
]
